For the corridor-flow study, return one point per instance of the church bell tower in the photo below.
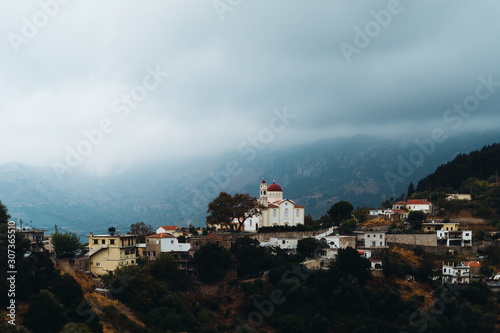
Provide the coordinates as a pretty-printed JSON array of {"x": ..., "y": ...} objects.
[{"x": 263, "y": 193}]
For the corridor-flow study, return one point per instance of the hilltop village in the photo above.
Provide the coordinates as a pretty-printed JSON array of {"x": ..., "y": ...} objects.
[{"x": 411, "y": 247}]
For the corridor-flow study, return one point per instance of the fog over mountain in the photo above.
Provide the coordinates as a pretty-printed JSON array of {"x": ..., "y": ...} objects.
[
  {"x": 364, "y": 170},
  {"x": 117, "y": 112}
]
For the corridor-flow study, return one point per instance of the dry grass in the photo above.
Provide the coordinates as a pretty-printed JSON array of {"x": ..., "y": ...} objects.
[
  {"x": 408, "y": 289},
  {"x": 98, "y": 301},
  {"x": 405, "y": 256},
  {"x": 376, "y": 223}
]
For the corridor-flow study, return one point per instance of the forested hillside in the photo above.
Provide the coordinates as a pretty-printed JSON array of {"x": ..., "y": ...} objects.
[{"x": 481, "y": 164}]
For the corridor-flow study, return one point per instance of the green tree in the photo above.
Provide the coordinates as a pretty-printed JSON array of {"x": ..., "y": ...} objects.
[
  {"x": 416, "y": 218},
  {"x": 45, "y": 314},
  {"x": 225, "y": 208},
  {"x": 193, "y": 231},
  {"x": 220, "y": 210},
  {"x": 308, "y": 220},
  {"x": 340, "y": 211},
  {"x": 349, "y": 262},
  {"x": 361, "y": 214},
  {"x": 4, "y": 215},
  {"x": 411, "y": 190},
  {"x": 66, "y": 244},
  {"x": 164, "y": 268},
  {"x": 252, "y": 258},
  {"x": 67, "y": 291},
  {"x": 245, "y": 206},
  {"x": 308, "y": 247},
  {"x": 213, "y": 262},
  {"x": 348, "y": 226},
  {"x": 141, "y": 230}
]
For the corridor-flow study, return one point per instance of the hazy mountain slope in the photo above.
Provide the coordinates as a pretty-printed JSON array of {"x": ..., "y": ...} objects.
[
  {"x": 479, "y": 164},
  {"x": 317, "y": 175}
]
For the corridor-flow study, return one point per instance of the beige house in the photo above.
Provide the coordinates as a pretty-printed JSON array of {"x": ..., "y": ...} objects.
[
  {"x": 107, "y": 252},
  {"x": 435, "y": 226}
]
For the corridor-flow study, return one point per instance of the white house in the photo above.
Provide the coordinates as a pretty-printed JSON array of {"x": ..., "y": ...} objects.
[
  {"x": 457, "y": 273},
  {"x": 170, "y": 229},
  {"x": 339, "y": 242},
  {"x": 166, "y": 243},
  {"x": 370, "y": 239},
  {"x": 455, "y": 237},
  {"x": 419, "y": 205},
  {"x": 285, "y": 243},
  {"x": 451, "y": 197},
  {"x": 277, "y": 212},
  {"x": 367, "y": 254},
  {"x": 414, "y": 204},
  {"x": 328, "y": 253}
]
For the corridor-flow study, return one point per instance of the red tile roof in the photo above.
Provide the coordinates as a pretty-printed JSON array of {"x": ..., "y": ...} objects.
[
  {"x": 170, "y": 227},
  {"x": 473, "y": 264},
  {"x": 418, "y": 202},
  {"x": 161, "y": 235}
]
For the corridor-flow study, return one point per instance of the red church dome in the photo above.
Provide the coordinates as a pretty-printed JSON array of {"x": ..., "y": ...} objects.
[{"x": 274, "y": 188}]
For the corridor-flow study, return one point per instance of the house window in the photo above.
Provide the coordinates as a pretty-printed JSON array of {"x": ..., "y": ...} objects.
[
  {"x": 157, "y": 242},
  {"x": 373, "y": 243},
  {"x": 154, "y": 253},
  {"x": 96, "y": 241},
  {"x": 126, "y": 252},
  {"x": 132, "y": 251},
  {"x": 132, "y": 261},
  {"x": 297, "y": 213},
  {"x": 380, "y": 236},
  {"x": 250, "y": 222},
  {"x": 275, "y": 211},
  {"x": 380, "y": 243},
  {"x": 283, "y": 241},
  {"x": 286, "y": 212},
  {"x": 368, "y": 236},
  {"x": 171, "y": 242},
  {"x": 103, "y": 241},
  {"x": 112, "y": 241},
  {"x": 98, "y": 264}
]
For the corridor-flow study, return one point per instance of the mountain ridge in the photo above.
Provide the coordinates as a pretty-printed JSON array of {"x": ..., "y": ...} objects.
[{"x": 314, "y": 175}]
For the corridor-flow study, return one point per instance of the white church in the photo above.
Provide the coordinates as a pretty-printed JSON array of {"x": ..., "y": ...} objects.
[{"x": 278, "y": 211}]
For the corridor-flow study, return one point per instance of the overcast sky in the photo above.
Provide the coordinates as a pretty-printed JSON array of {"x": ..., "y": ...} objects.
[{"x": 327, "y": 68}]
